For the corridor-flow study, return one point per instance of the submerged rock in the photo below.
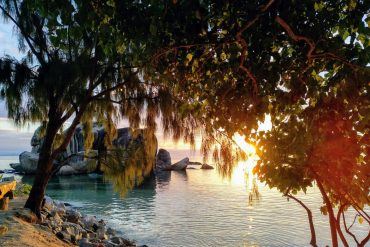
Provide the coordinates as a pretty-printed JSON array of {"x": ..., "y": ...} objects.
[
  {"x": 207, "y": 167},
  {"x": 181, "y": 165},
  {"x": 195, "y": 163}
]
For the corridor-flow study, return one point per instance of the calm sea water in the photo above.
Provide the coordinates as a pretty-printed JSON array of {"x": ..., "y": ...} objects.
[{"x": 195, "y": 208}]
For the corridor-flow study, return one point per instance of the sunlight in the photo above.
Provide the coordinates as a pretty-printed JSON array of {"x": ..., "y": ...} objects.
[
  {"x": 248, "y": 148},
  {"x": 243, "y": 172}
]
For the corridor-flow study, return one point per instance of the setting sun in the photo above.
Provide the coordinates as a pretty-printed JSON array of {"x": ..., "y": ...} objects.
[{"x": 248, "y": 148}]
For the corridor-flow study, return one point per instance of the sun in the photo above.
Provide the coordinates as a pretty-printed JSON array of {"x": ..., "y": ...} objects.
[{"x": 249, "y": 149}]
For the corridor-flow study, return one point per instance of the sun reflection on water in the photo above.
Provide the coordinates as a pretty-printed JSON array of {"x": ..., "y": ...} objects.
[{"x": 243, "y": 172}]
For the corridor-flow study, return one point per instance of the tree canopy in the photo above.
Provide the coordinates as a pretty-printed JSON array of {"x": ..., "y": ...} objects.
[
  {"x": 305, "y": 64},
  {"x": 216, "y": 66},
  {"x": 82, "y": 64}
]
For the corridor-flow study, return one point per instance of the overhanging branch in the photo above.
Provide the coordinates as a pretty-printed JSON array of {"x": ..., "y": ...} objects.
[{"x": 309, "y": 215}]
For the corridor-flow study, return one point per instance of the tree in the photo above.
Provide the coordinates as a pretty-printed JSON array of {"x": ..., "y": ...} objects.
[
  {"x": 324, "y": 144},
  {"x": 78, "y": 66},
  {"x": 221, "y": 67},
  {"x": 299, "y": 62}
]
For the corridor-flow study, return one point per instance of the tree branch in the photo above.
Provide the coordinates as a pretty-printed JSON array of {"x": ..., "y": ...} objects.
[
  {"x": 243, "y": 43},
  {"x": 128, "y": 98},
  {"x": 26, "y": 37},
  {"x": 312, "y": 45},
  {"x": 347, "y": 229},
  {"x": 340, "y": 211},
  {"x": 69, "y": 113},
  {"x": 263, "y": 9},
  {"x": 70, "y": 131},
  {"x": 296, "y": 37},
  {"x": 310, "y": 218}
]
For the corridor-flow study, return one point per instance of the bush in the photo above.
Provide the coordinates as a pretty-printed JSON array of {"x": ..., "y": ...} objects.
[{"x": 22, "y": 189}]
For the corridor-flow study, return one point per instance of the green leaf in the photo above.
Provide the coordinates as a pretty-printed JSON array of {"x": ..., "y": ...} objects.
[
  {"x": 352, "y": 4},
  {"x": 223, "y": 56},
  {"x": 319, "y": 6},
  {"x": 189, "y": 57}
]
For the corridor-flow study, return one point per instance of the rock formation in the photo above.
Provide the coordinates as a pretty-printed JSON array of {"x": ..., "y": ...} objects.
[
  {"x": 74, "y": 156},
  {"x": 72, "y": 227},
  {"x": 180, "y": 165},
  {"x": 163, "y": 162}
]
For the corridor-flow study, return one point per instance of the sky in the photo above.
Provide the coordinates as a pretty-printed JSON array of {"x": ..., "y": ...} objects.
[
  {"x": 8, "y": 40},
  {"x": 15, "y": 139}
]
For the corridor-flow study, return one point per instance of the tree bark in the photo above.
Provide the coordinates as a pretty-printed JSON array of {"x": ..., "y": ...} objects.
[
  {"x": 47, "y": 155},
  {"x": 332, "y": 219},
  {"x": 44, "y": 169}
]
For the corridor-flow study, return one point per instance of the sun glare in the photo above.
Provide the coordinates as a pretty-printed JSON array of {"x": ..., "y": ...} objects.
[
  {"x": 248, "y": 148},
  {"x": 243, "y": 171}
]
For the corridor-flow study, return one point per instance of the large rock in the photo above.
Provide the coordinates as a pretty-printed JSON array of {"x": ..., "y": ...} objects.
[
  {"x": 48, "y": 203},
  {"x": 67, "y": 170},
  {"x": 75, "y": 152},
  {"x": 89, "y": 221},
  {"x": 163, "y": 160},
  {"x": 181, "y": 165},
  {"x": 28, "y": 163},
  {"x": 73, "y": 216},
  {"x": 36, "y": 140}
]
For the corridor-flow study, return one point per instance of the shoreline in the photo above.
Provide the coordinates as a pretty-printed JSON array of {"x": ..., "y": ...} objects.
[{"x": 61, "y": 225}]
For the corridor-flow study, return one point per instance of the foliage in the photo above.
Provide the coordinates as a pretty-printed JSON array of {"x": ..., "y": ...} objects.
[
  {"x": 221, "y": 68},
  {"x": 82, "y": 63},
  {"x": 303, "y": 63},
  {"x": 128, "y": 167},
  {"x": 22, "y": 189}
]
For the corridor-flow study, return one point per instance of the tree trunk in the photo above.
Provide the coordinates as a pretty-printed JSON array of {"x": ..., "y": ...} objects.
[
  {"x": 344, "y": 240},
  {"x": 332, "y": 219},
  {"x": 310, "y": 219},
  {"x": 44, "y": 169},
  {"x": 40, "y": 182}
]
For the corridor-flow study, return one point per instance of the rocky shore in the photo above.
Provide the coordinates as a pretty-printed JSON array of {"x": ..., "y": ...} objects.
[
  {"x": 70, "y": 226},
  {"x": 61, "y": 225}
]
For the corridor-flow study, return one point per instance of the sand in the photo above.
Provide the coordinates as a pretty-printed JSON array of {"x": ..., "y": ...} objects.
[{"x": 15, "y": 232}]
